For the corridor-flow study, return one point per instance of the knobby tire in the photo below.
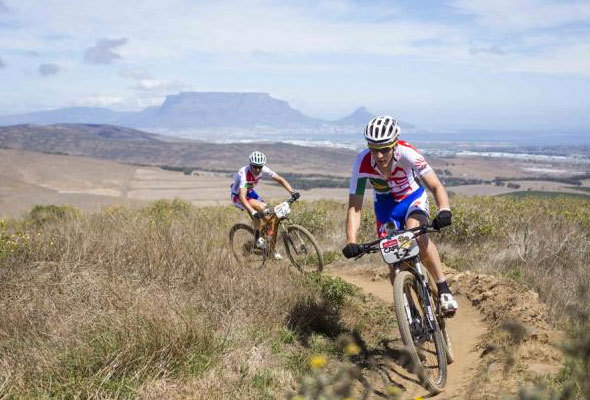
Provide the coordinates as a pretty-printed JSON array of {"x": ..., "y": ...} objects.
[
  {"x": 242, "y": 255},
  {"x": 293, "y": 236},
  {"x": 406, "y": 284}
]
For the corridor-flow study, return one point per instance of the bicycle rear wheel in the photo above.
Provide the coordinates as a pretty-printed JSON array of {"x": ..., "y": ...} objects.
[
  {"x": 425, "y": 346},
  {"x": 302, "y": 249},
  {"x": 241, "y": 241}
]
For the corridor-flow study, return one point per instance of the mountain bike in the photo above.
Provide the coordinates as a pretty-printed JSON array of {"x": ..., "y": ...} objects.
[
  {"x": 301, "y": 247},
  {"x": 420, "y": 320}
]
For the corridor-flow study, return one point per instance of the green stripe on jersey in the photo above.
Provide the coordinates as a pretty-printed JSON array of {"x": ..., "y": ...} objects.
[
  {"x": 380, "y": 185},
  {"x": 361, "y": 183}
]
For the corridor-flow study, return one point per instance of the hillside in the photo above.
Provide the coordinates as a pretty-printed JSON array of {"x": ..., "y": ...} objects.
[
  {"x": 157, "y": 308},
  {"x": 29, "y": 178},
  {"x": 133, "y": 146}
]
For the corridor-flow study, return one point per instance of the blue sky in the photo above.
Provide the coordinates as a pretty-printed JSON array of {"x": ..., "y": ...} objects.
[{"x": 503, "y": 64}]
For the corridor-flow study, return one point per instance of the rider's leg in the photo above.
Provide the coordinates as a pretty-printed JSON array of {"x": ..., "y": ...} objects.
[
  {"x": 428, "y": 252},
  {"x": 257, "y": 222},
  {"x": 431, "y": 259}
]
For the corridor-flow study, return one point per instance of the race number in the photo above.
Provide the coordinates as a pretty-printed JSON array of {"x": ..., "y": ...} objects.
[
  {"x": 398, "y": 248},
  {"x": 282, "y": 210}
]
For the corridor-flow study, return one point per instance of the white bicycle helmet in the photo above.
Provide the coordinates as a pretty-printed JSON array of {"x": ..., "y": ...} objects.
[
  {"x": 382, "y": 130},
  {"x": 257, "y": 158}
]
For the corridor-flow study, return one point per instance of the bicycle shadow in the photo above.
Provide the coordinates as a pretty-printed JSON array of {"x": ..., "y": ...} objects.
[
  {"x": 310, "y": 317},
  {"x": 388, "y": 359}
]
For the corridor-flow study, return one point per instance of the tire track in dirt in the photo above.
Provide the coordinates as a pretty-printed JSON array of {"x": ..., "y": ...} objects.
[{"x": 466, "y": 330}]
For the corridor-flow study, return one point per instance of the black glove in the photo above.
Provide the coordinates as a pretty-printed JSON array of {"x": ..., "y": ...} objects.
[
  {"x": 295, "y": 195},
  {"x": 352, "y": 250},
  {"x": 257, "y": 214},
  {"x": 442, "y": 219}
]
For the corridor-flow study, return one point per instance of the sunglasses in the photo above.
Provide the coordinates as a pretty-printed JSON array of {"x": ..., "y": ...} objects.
[
  {"x": 383, "y": 149},
  {"x": 256, "y": 167}
]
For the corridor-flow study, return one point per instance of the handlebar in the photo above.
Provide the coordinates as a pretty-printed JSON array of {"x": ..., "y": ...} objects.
[
  {"x": 271, "y": 211},
  {"x": 373, "y": 247}
]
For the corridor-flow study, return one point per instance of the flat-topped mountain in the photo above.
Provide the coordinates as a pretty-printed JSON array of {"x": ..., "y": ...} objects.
[
  {"x": 215, "y": 109},
  {"x": 199, "y": 111}
]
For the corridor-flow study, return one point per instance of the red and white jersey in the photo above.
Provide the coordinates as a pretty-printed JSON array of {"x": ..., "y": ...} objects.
[
  {"x": 245, "y": 178},
  {"x": 402, "y": 183}
]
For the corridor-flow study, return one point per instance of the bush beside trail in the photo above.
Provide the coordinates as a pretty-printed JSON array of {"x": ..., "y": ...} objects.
[{"x": 150, "y": 303}]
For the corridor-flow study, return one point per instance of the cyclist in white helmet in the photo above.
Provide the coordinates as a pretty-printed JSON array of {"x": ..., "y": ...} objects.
[
  {"x": 390, "y": 165},
  {"x": 245, "y": 197}
]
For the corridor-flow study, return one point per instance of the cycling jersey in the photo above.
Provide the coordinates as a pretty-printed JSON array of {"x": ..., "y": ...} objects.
[
  {"x": 397, "y": 197},
  {"x": 393, "y": 214},
  {"x": 245, "y": 178},
  {"x": 406, "y": 161}
]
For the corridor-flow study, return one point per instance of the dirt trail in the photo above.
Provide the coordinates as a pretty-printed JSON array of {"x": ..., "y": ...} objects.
[{"x": 466, "y": 330}]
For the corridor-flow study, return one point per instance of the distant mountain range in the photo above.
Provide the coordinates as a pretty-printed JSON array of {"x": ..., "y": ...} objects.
[
  {"x": 134, "y": 146},
  {"x": 198, "y": 111}
]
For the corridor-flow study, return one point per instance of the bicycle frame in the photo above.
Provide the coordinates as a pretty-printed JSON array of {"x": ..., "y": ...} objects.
[
  {"x": 416, "y": 311},
  {"x": 423, "y": 290},
  {"x": 272, "y": 223},
  {"x": 413, "y": 265}
]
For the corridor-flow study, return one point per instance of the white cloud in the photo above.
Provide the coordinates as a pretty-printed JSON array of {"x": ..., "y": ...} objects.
[
  {"x": 103, "y": 52},
  {"x": 522, "y": 15},
  {"x": 134, "y": 73},
  {"x": 233, "y": 26},
  {"x": 100, "y": 100},
  {"x": 490, "y": 50},
  {"x": 326, "y": 51},
  {"x": 48, "y": 69},
  {"x": 145, "y": 82},
  {"x": 573, "y": 59}
]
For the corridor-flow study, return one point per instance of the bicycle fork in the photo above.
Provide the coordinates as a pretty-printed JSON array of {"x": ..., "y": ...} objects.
[{"x": 419, "y": 325}]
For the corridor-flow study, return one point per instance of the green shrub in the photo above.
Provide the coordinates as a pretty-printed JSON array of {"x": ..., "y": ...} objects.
[
  {"x": 44, "y": 214},
  {"x": 11, "y": 242},
  {"x": 164, "y": 211},
  {"x": 333, "y": 289}
]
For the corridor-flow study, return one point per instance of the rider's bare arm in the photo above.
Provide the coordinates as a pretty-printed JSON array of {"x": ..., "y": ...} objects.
[
  {"x": 283, "y": 183},
  {"x": 244, "y": 200},
  {"x": 438, "y": 190},
  {"x": 353, "y": 220}
]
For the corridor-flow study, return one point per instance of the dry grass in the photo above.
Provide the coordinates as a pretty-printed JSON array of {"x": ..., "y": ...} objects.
[
  {"x": 96, "y": 306},
  {"x": 543, "y": 243},
  {"x": 150, "y": 303}
]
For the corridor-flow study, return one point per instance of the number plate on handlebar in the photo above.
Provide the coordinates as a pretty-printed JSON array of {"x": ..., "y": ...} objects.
[
  {"x": 282, "y": 210},
  {"x": 399, "y": 247}
]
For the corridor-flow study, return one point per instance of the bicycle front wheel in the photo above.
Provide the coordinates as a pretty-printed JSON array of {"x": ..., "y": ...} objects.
[
  {"x": 424, "y": 343},
  {"x": 302, "y": 249},
  {"x": 241, "y": 241}
]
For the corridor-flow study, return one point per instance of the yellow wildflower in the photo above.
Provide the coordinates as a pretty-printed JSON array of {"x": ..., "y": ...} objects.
[
  {"x": 352, "y": 349},
  {"x": 317, "y": 362}
]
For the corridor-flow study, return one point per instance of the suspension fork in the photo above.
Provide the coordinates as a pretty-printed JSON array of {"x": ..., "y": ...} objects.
[
  {"x": 394, "y": 270},
  {"x": 424, "y": 293}
]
